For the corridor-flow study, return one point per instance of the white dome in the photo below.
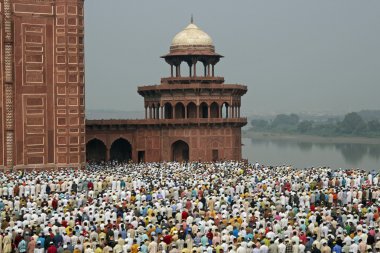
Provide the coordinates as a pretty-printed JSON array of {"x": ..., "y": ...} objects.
[{"x": 192, "y": 36}]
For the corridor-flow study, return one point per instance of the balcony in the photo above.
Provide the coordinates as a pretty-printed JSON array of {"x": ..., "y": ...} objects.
[
  {"x": 192, "y": 79},
  {"x": 133, "y": 123}
]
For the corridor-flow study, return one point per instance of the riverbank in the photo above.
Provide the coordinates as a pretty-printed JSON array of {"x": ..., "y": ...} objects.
[{"x": 308, "y": 138}]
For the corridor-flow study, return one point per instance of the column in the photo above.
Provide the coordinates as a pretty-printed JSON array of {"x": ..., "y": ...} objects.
[
  {"x": 162, "y": 112},
  {"x": 220, "y": 111},
  {"x": 146, "y": 113},
  {"x": 157, "y": 112},
  {"x": 213, "y": 70},
  {"x": 185, "y": 112},
  {"x": 195, "y": 68},
  {"x": 171, "y": 70},
  {"x": 107, "y": 154},
  {"x": 208, "y": 111}
]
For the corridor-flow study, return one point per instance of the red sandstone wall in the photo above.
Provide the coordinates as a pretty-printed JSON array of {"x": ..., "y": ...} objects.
[
  {"x": 1, "y": 88},
  {"x": 202, "y": 141},
  {"x": 48, "y": 83},
  {"x": 69, "y": 60},
  {"x": 157, "y": 142}
]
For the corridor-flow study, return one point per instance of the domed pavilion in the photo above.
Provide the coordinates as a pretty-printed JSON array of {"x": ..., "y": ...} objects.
[{"x": 192, "y": 115}]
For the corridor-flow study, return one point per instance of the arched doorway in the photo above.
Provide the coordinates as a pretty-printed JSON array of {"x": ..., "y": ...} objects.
[
  {"x": 121, "y": 150},
  {"x": 179, "y": 111},
  {"x": 168, "y": 111},
  {"x": 203, "y": 110},
  {"x": 191, "y": 110},
  {"x": 180, "y": 151},
  {"x": 96, "y": 150},
  {"x": 224, "y": 109},
  {"x": 214, "y": 110}
]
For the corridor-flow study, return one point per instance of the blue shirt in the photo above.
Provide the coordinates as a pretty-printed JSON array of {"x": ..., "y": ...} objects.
[{"x": 337, "y": 249}]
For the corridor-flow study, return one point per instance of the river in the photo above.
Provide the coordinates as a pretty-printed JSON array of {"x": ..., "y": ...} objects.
[{"x": 302, "y": 154}]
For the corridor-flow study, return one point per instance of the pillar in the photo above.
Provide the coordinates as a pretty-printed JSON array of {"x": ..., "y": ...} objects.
[
  {"x": 220, "y": 111},
  {"x": 208, "y": 111},
  {"x": 195, "y": 68},
  {"x": 213, "y": 70},
  {"x": 162, "y": 112},
  {"x": 146, "y": 113},
  {"x": 157, "y": 112},
  {"x": 185, "y": 112},
  {"x": 171, "y": 70},
  {"x": 107, "y": 153}
]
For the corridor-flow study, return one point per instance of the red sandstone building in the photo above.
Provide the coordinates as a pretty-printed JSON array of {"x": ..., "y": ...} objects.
[
  {"x": 190, "y": 115},
  {"x": 41, "y": 84}
]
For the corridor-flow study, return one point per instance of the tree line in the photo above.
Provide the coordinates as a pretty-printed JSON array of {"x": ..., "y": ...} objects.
[{"x": 352, "y": 125}]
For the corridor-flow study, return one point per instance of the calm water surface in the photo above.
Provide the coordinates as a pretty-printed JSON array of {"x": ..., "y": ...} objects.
[{"x": 302, "y": 154}]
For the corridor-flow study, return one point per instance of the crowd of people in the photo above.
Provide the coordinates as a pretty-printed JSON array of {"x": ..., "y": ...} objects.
[{"x": 190, "y": 207}]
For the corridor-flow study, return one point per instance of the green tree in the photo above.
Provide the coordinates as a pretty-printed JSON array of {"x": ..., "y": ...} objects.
[
  {"x": 259, "y": 123},
  {"x": 373, "y": 126},
  {"x": 305, "y": 126},
  {"x": 352, "y": 123},
  {"x": 285, "y": 120}
]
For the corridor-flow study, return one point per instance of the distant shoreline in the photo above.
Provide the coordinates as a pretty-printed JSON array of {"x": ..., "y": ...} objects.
[{"x": 309, "y": 138}]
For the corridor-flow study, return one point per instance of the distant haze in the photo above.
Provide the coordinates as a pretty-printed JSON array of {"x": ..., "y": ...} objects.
[{"x": 294, "y": 55}]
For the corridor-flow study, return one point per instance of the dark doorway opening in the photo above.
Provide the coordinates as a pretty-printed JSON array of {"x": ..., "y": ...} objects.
[
  {"x": 203, "y": 110},
  {"x": 180, "y": 151},
  {"x": 96, "y": 151},
  {"x": 215, "y": 155},
  {"x": 168, "y": 111},
  {"x": 121, "y": 150},
  {"x": 141, "y": 156}
]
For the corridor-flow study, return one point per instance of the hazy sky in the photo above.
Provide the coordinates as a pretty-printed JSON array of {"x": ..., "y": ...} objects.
[{"x": 294, "y": 55}]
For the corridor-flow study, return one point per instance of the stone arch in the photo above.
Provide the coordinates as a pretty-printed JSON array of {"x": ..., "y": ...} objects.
[
  {"x": 96, "y": 150},
  {"x": 180, "y": 151},
  {"x": 179, "y": 111},
  {"x": 191, "y": 110},
  {"x": 214, "y": 110},
  {"x": 224, "y": 110},
  {"x": 121, "y": 150},
  {"x": 203, "y": 110},
  {"x": 168, "y": 108}
]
